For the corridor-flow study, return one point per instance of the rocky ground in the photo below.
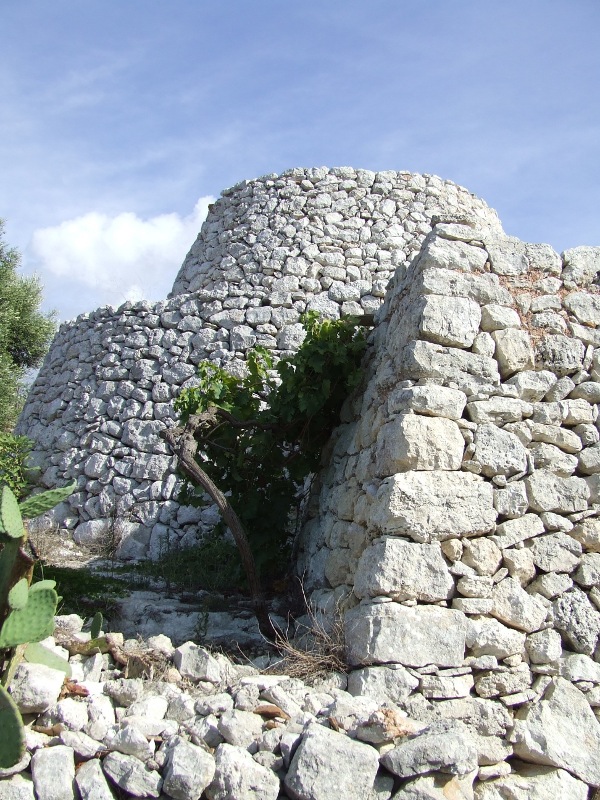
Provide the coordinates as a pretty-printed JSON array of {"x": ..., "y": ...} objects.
[{"x": 146, "y": 719}]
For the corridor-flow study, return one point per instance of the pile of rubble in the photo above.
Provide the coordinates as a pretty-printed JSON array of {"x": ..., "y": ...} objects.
[{"x": 199, "y": 726}]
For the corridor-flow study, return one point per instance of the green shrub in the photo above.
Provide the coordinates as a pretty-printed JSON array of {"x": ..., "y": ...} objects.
[{"x": 14, "y": 472}]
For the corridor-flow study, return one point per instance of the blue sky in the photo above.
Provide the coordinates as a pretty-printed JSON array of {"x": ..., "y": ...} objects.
[{"x": 120, "y": 119}]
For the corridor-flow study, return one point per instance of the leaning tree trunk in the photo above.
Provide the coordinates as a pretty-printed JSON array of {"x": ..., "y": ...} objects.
[{"x": 183, "y": 443}]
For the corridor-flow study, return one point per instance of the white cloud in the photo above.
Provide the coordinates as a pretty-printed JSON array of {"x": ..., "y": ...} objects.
[{"x": 122, "y": 257}]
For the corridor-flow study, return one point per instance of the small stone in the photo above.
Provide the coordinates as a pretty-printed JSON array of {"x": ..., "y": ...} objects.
[
  {"x": 132, "y": 775},
  {"x": 196, "y": 663},
  {"x": 515, "y": 607},
  {"x": 348, "y": 771},
  {"x": 91, "y": 782},
  {"x": 578, "y": 621},
  {"x": 544, "y": 646},
  {"x": 444, "y": 746},
  {"x": 188, "y": 770},
  {"x": 35, "y": 687},
  {"x": 560, "y": 730},
  {"x": 53, "y": 773}
]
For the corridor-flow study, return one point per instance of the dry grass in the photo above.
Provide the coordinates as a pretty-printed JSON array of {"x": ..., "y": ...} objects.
[{"x": 316, "y": 648}]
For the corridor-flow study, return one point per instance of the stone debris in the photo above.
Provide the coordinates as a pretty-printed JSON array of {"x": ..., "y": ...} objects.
[{"x": 458, "y": 517}]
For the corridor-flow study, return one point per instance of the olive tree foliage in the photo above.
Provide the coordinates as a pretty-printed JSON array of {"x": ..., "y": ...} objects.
[{"x": 25, "y": 332}]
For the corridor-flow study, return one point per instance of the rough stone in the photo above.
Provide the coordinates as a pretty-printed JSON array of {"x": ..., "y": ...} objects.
[
  {"x": 560, "y": 731},
  {"x": 434, "y": 505},
  {"x": 413, "y": 636},
  {"x": 349, "y": 771},
  {"x": 403, "y": 571},
  {"x": 412, "y": 441}
]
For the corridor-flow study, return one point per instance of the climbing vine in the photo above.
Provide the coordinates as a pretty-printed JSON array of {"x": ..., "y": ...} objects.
[{"x": 260, "y": 436}]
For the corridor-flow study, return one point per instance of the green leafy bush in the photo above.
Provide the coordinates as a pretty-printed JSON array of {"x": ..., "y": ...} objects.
[
  {"x": 262, "y": 435},
  {"x": 14, "y": 472}
]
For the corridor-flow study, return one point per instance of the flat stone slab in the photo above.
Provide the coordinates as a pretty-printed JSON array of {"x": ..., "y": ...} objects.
[
  {"x": 328, "y": 764},
  {"x": 403, "y": 571},
  {"x": 379, "y": 633},
  {"x": 560, "y": 731},
  {"x": 435, "y": 505}
]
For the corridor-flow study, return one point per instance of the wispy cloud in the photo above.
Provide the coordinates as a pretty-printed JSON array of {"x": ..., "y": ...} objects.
[{"x": 121, "y": 257}]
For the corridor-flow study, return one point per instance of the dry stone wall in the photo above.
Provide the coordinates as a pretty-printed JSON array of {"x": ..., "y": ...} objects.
[
  {"x": 455, "y": 525},
  {"x": 270, "y": 249}
]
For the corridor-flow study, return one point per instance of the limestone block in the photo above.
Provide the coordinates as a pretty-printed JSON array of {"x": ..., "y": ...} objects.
[
  {"x": 489, "y": 637},
  {"x": 495, "y": 317},
  {"x": 437, "y": 786},
  {"x": 497, "y": 683},
  {"x": 410, "y": 635},
  {"x": 581, "y": 265},
  {"x": 563, "y": 438},
  {"x": 550, "y": 585},
  {"x": 577, "y": 667},
  {"x": 514, "y": 351},
  {"x": 544, "y": 646},
  {"x": 587, "y": 534},
  {"x": 35, "y": 687},
  {"x": 507, "y": 256},
  {"x": 432, "y": 400},
  {"x": 452, "y": 321},
  {"x": 91, "y": 782},
  {"x": 413, "y": 441},
  {"x": 549, "y": 492},
  {"x": 429, "y": 506},
  {"x": 589, "y": 390},
  {"x": 555, "y": 552},
  {"x": 578, "y": 621},
  {"x": 420, "y": 359},
  {"x": 513, "y": 606},
  {"x": 18, "y": 787},
  {"x": 483, "y": 288},
  {"x": 560, "y": 354},
  {"x": 588, "y": 573},
  {"x": 142, "y": 434},
  {"x": 445, "y": 253},
  {"x": 589, "y": 460},
  {"x": 53, "y": 773},
  {"x": 517, "y": 530},
  {"x": 520, "y": 564},
  {"x": 403, "y": 571},
  {"x": 533, "y": 783},
  {"x": 444, "y": 687},
  {"x": 482, "y": 555},
  {"x": 561, "y": 731},
  {"x": 383, "y": 684},
  {"x": 499, "y": 410},
  {"x": 547, "y": 456},
  {"x": 446, "y": 746},
  {"x": 348, "y": 771},
  {"x": 577, "y": 412},
  {"x": 132, "y": 775},
  {"x": 511, "y": 501},
  {"x": 532, "y": 385},
  {"x": 499, "y": 452},
  {"x": 585, "y": 307}
]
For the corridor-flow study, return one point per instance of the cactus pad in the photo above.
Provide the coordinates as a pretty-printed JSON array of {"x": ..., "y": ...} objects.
[
  {"x": 38, "y": 654},
  {"x": 96, "y": 625},
  {"x": 33, "y": 622},
  {"x": 10, "y": 516},
  {"x": 44, "y": 501},
  {"x": 17, "y": 597},
  {"x": 12, "y": 740}
]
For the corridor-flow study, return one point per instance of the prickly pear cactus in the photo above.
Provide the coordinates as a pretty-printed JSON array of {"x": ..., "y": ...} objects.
[
  {"x": 12, "y": 737},
  {"x": 11, "y": 522},
  {"x": 26, "y": 611},
  {"x": 40, "y": 503},
  {"x": 31, "y": 622}
]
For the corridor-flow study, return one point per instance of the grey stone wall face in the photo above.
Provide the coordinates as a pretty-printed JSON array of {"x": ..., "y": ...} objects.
[
  {"x": 269, "y": 250},
  {"x": 456, "y": 526}
]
